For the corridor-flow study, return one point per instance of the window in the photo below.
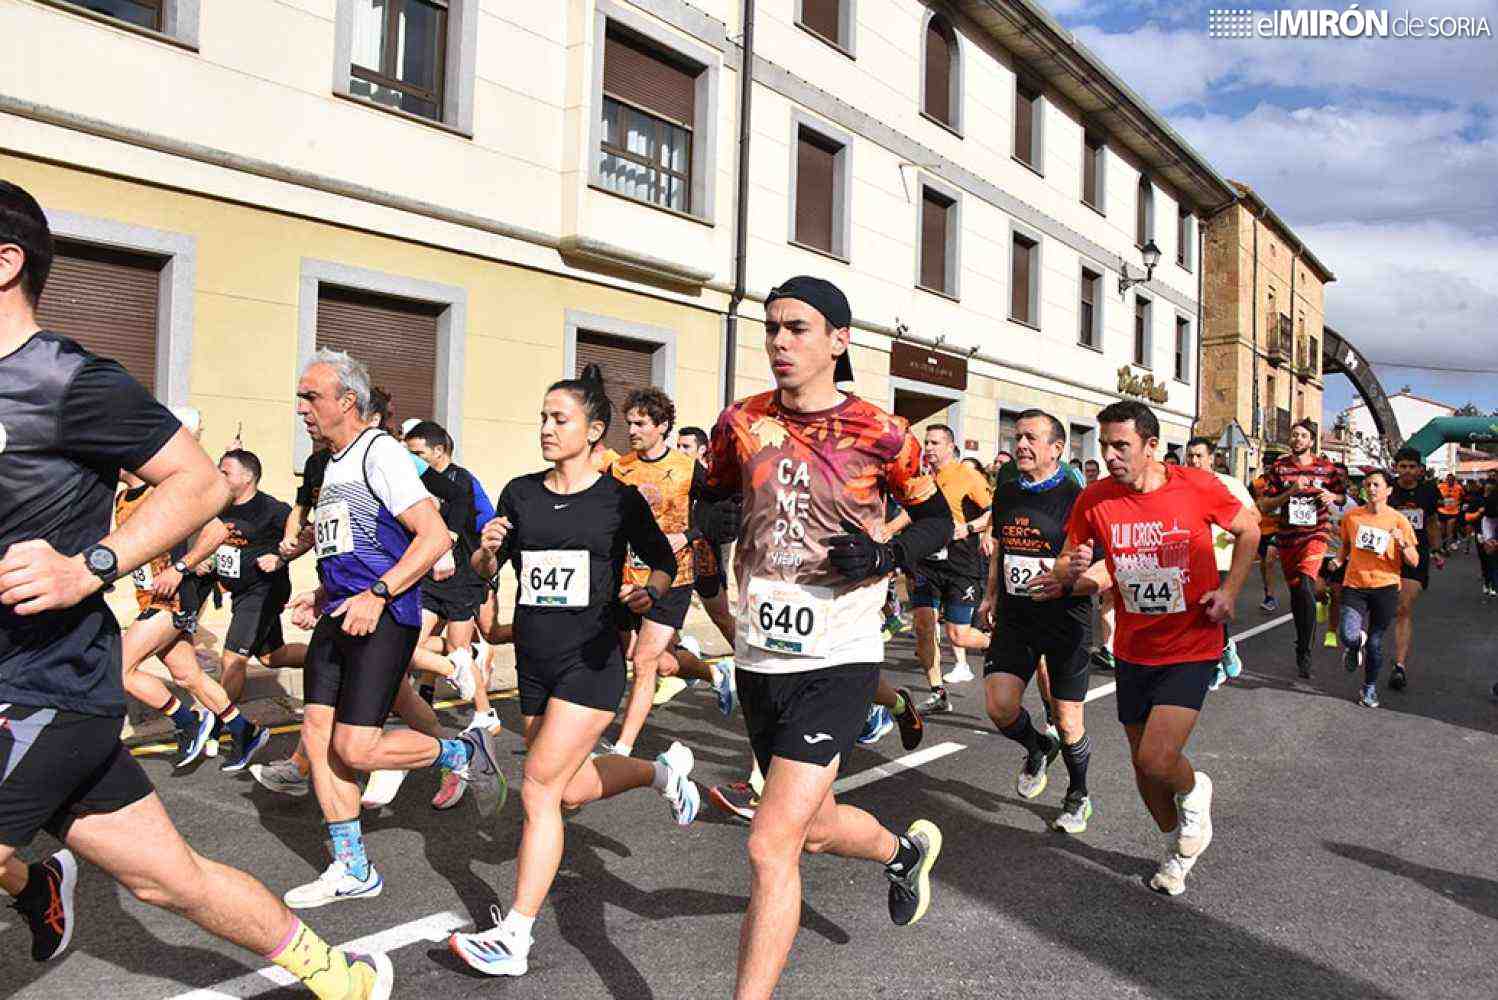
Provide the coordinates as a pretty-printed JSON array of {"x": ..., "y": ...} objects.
[
  {"x": 626, "y": 365},
  {"x": 1185, "y": 238},
  {"x": 1024, "y": 276},
  {"x": 938, "y": 242},
  {"x": 1144, "y": 213},
  {"x": 1008, "y": 430},
  {"x": 141, "y": 13},
  {"x": 400, "y": 48},
  {"x": 1081, "y": 442},
  {"x": 830, "y": 20},
  {"x": 1183, "y": 349},
  {"x": 1142, "y": 332},
  {"x": 822, "y": 173},
  {"x": 395, "y": 338},
  {"x": 1090, "y": 328},
  {"x": 1094, "y": 153},
  {"x": 1027, "y": 146},
  {"x": 109, "y": 301},
  {"x": 649, "y": 106},
  {"x": 941, "y": 83},
  {"x": 175, "y": 20}
]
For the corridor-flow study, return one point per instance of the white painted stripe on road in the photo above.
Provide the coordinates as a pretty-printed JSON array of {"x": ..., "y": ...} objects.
[
  {"x": 1265, "y": 627},
  {"x": 433, "y": 928},
  {"x": 893, "y": 767},
  {"x": 1101, "y": 691}
]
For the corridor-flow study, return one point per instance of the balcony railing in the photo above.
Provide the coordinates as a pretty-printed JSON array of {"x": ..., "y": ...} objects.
[
  {"x": 1280, "y": 340},
  {"x": 1308, "y": 359},
  {"x": 1276, "y": 426}
]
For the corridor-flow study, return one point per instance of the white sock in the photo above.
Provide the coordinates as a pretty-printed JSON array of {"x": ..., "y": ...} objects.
[
  {"x": 757, "y": 779},
  {"x": 662, "y": 777},
  {"x": 517, "y": 926},
  {"x": 623, "y": 749},
  {"x": 959, "y": 656}
]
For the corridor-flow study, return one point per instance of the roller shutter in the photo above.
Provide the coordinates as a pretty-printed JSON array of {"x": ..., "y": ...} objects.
[
  {"x": 626, "y": 367},
  {"x": 108, "y": 301},
  {"x": 395, "y": 338}
]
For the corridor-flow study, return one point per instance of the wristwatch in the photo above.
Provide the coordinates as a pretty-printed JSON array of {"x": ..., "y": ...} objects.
[
  {"x": 380, "y": 590},
  {"x": 655, "y": 595},
  {"x": 180, "y": 566},
  {"x": 102, "y": 562}
]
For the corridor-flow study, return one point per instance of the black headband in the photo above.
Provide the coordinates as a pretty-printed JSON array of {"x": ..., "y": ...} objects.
[{"x": 827, "y": 299}]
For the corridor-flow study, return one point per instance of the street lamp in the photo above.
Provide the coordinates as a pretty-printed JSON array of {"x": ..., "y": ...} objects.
[{"x": 1151, "y": 255}]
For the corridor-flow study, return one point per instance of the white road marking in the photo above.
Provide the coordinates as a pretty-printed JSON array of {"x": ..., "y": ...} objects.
[
  {"x": 1101, "y": 691},
  {"x": 893, "y": 767},
  {"x": 434, "y": 928},
  {"x": 1104, "y": 690}
]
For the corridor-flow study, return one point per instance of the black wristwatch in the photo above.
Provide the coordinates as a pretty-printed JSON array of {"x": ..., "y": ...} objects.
[
  {"x": 102, "y": 562},
  {"x": 180, "y": 566},
  {"x": 655, "y": 595},
  {"x": 379, "y": 589}
]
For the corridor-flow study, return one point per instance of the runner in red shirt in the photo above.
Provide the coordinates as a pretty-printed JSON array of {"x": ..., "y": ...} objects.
[
  {"x": 1154, "y": 524},
  {"x": 1303, "y": 486}
]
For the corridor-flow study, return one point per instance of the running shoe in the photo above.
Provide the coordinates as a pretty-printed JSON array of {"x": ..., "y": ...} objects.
[
  {"x": 1052, "y": 731},
  {"x": 482, "y": 771},
  {"x": 1321, "y": 612},
  {"x": 960, "y": 674},
  {"x": 1076, "y": 810},
  {"x": 613, "y": 749},
  {"x": 47, "y": 904},
  {"x": 938, "y": 704},
  {"x": 210, "y": 749},
  {"x": 1330, "y": 642},
  {"x": 1232, "y": 663},
  {"x": 876, "y": 726},
  {"x": 1195, "y": 812},
  {"x": 450, "y": 792},
  {"x": 237, "y": 760},
  {"x": 1219, "y": 679},
  {"x": 1269, "y": 605},
  {"x": 1102, "y": 659},
  {"x": 282, "y": 777},
  {"x": 667, "y": 688},
  {"x": 910, "y": 892},
  {"x": 190, "y": 742},
  {"x": 493, "y": 952},
  {"x": 465, "y": 678},
  {"x": 1369, "y": 697},
  {"x": 334, "y": 885},
  {"x": 1303, "y": 664},
  {"x": 912, "y": 726},
  {"x": 1352, "y": 660},
  {"x": 736, "y": 799},
  {"x": 382, "y": 788},
  {"x": 723, "y": 686},
  {"x": 1032, "y": 777},
  {"x": 485, "y": 720},
  {"x": 1398, "y": 679},
  {"x": 1171, "y": 878},
  {"x": 375, "y": 971},
  {"x": 680, "y": 790},
  {"x": 893, "y": 626}
]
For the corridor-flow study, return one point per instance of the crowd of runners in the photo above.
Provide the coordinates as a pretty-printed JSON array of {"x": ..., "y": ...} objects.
[{"x": 830, "y": 514}]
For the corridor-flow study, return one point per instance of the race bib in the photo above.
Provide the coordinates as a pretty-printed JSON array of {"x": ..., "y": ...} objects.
[
  {"x": 1302, "y": 512},
  {"x": 334, "y": 534},
  {"x": 1371, "y": 539},
  {"x": 633, "y": 561},
  {"x": 143, "y": 577},
  {"x": 1416, "y": 517},
  {"x": 1020, "y": 570},
  {"x": 226, "y": 562},
  {"x": 554, "y": 578},
  {"x": 787, "y": 618},
  {"x": 1152, "y": 590}
]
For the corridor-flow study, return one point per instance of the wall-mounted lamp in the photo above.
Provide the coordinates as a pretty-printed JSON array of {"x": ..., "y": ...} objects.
[{"x": 1151, "y": 255}]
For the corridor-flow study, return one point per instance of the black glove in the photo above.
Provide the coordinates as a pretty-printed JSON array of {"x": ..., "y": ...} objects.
[
  {"x": 857, "y": 556},
  {"x": 720, "y": 521}
]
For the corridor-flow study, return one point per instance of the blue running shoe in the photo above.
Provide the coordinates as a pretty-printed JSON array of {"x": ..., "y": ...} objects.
[
  {"x": 1270, "y": 604},
  {"x": 876, "y": 726},
  {"x": 190, "y": 742},
  {"x": 723, "y": 685},
  {"x": 241, "y": 757},
  {"x": 1232, "y": 663}
]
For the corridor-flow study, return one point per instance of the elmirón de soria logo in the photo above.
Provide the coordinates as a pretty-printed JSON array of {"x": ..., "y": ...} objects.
[{"x": 1351, "y": 21}]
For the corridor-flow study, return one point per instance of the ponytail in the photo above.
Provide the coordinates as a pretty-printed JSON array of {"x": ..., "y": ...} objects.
[{"x": 590, "y": 393}]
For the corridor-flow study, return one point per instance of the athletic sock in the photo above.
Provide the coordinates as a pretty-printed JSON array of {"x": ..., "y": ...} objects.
[
  {"x": 623, "y": 749},
  {"x": 1023, "y": 732},
  {"x": 1076, "y": 755},
  {"x": 959, "y": 657},
  {"x": 239, "y": 727},
  {"x": 322, "y": 969},
  {"x": 453, "y": 754},
  {"x": 348, "y": 847},
  {"x": 906, "y": 856},
  {"x": 518, "y": 926},
  {"x": 182, "y": 717},
  {"x": 899, "y": 706},
  {"x": 940, "y": 690}
]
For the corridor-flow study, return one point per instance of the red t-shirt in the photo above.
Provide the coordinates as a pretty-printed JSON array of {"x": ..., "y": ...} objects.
[{"x": 1160, "y": 555}]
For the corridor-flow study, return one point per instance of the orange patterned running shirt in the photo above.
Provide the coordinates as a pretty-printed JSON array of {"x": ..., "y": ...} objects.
[
  {"x": 666, "y": 485},
  {"x": 125, "y": 503},
  {"x": 801, "y": 475}
]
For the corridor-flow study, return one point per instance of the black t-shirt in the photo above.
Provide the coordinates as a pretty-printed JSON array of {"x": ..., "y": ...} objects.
[
  {"x": 69, "y": 421},
  {"x": 255, "y": 529},
  {"x": 453, "y": 490},
  {"x": 555, "y": 540},
  {"x": 1030, "y": 529},
  {"x": 1490, "y": 503},
  {"x": 1419, "y": 505},
  {"x": 312, "y": 475}
]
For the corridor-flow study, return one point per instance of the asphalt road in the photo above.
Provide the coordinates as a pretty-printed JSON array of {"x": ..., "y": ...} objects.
[{"x": 1353, "y": 859}]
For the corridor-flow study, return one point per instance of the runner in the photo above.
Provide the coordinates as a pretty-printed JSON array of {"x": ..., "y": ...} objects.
[
  {"x": 1486, "y": 525},
  {"x": 1091, "y": 470},
  {"x": 1332, "y": 569},
  {"x": 814, "y": 466},
  {"x": 1377, "y": 543},
  {"x": 710, "y": 558},
  {"x": 1199, "y": 455},
  {"x": 1269, "y": 523},
  {"x": 1450, "y": 511},
  {"x": 949, "y": 582},
  {"x": 1153, "y": 523},
  {"x": 564, "y": 532},
  {"x": 1036, "y": 617},
  {"x": 669, "y": 480},
  {"x": 378, "y": 533},
  {"x": 72, "y": 421},
  {"x": 1419, "y": 501},
  {"x": 1302, "y": 487}
]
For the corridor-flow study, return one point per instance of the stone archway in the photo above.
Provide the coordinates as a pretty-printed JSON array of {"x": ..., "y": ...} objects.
[{"x": 1339, "y": 356}]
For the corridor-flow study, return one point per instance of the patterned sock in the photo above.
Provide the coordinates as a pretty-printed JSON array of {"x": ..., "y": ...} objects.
[
  {"x": 1023, "y": 732},
  {"x": 1076, "y": 756},
  {"x": 453, "y": 754},
  {"x": 182, "y": 717},
  {"x": 348, "y": 847},
  {"x": 238, "y": 726},
  {"x": 323, "y": 970},
  {"x": 905, "y": 857}
]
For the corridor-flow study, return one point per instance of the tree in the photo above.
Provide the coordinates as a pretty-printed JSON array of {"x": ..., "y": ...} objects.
[{"x": 1467, "y": 409}]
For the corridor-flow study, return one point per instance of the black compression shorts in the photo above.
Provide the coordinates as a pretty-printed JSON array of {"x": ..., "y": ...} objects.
[
  {"x": 358, "y": 676},
  {"x": 574, "y": 680},
  {"x": 812, "y": 717},
  {"x": 671, "y": 610},
  {"x": 1143, "y": 688},
  {"x": 458, "y": 604},
  {"x": 1017, "y": 646}
]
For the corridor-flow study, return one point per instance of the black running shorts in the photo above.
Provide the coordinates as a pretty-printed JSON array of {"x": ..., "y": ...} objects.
[
  {"x": 1420, "y": 574},
  {"x": 575, "y": 680},
  {"x": 358, "y": 676},
  {"x": 812, "y": 717},
  {"x": 1142, "y": 688},
  {"x": 1018, "y": 645},
  {"x": 458, "y": 604},
  {"x": 56, "y": 766},
  {"x": 255, "y": 626},
  {"x": 671, "y": 610}
]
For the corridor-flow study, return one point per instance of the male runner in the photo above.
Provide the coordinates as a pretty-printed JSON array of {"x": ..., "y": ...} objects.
[
  {"x": 1269, "y": 524},
  {"x": 1035, "y": 616},
  {"x": 1091, "y": 471},
  {"x": 1417, "y": 498},
  {"x": 1200, "y": 452},
  {"x": 668, "y": 479},
  {"x": 377, "y": 534},
  {"x": 1153, "y": 523},
  {"x": 1450, "y": 511},
  {"x": 814, "y": 466},
  {"x": 72, "y": 421},
  {"x": 1302, "y": 488},
  {"x": 949, "y": 582},
  {"x": 710, "y": 579}
]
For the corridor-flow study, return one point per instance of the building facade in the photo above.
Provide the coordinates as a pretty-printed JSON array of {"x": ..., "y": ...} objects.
[
  {"x": 1365, "y": 446},
  {"x": 1263, "y": 328}
]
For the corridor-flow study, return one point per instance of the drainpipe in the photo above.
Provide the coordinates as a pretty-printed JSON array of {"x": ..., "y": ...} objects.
[
  {"x": 741, "y": 220},
  {"x": 1253, "y": 340},
  {"x": 1201, "y": 270}
]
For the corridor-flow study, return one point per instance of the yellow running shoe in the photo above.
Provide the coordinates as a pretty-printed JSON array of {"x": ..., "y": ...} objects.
[
  {"x": 1331, "y": 639},
  {"x": 667, "y": 688}
]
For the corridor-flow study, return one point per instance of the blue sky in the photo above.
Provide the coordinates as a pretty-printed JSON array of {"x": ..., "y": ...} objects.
[{"x": 1381, "y": 154}]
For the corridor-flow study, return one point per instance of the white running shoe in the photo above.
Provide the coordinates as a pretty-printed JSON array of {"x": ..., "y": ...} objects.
[
  {"x": 680, "y": 790},
  {"x": 492, "y": 952},
  {"x": 613, "y": 749},
  {"x": 1075, "y": 812},
  {"x": 691, "y": 645},
  {"x": 334, "y": 885},
  {"x": 723, "y": 686},
  {"x": 282, "y": 777},
  {"x": 465, "y": 676},
  {"x": 1171, "y": 878},
  {"x": 1195, "y": 811},
  {"x": 960, "y": 674},
  {"x": 382, "y": 788},
  {"x": 485, "y": 720}
]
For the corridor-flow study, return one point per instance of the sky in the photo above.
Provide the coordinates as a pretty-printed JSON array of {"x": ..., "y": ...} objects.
[{"x": 1380, "y": 153}]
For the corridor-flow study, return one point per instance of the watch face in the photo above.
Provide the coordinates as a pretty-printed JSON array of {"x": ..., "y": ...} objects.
[{"x": 101, "y": 560}]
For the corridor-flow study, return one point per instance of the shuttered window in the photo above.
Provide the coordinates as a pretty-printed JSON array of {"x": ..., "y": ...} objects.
[
  {"x": 649, "y": 107},
  {"x": 1088, "y": 333},
  {"x": 395, "y": 338},
  {"x": 1026, "y": 105},
  {"x": 1142, "y": 332},
  {"x": 938, "y": 71},
  {"x": 626, "y": 367},
  {"x": 935, "y": 212},
  {"x": 816, "y": 185},
  {"x": 1183, "y": 349},
  {"x": 1022, "y": 277},
  {"x": 108, "y": 301},
  {"x": 1092, "y": 171},
  {"x": 825, "y": 18},
  {"x": 1144, "y": 213},
  {"x": 1184, "y": 238}
]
